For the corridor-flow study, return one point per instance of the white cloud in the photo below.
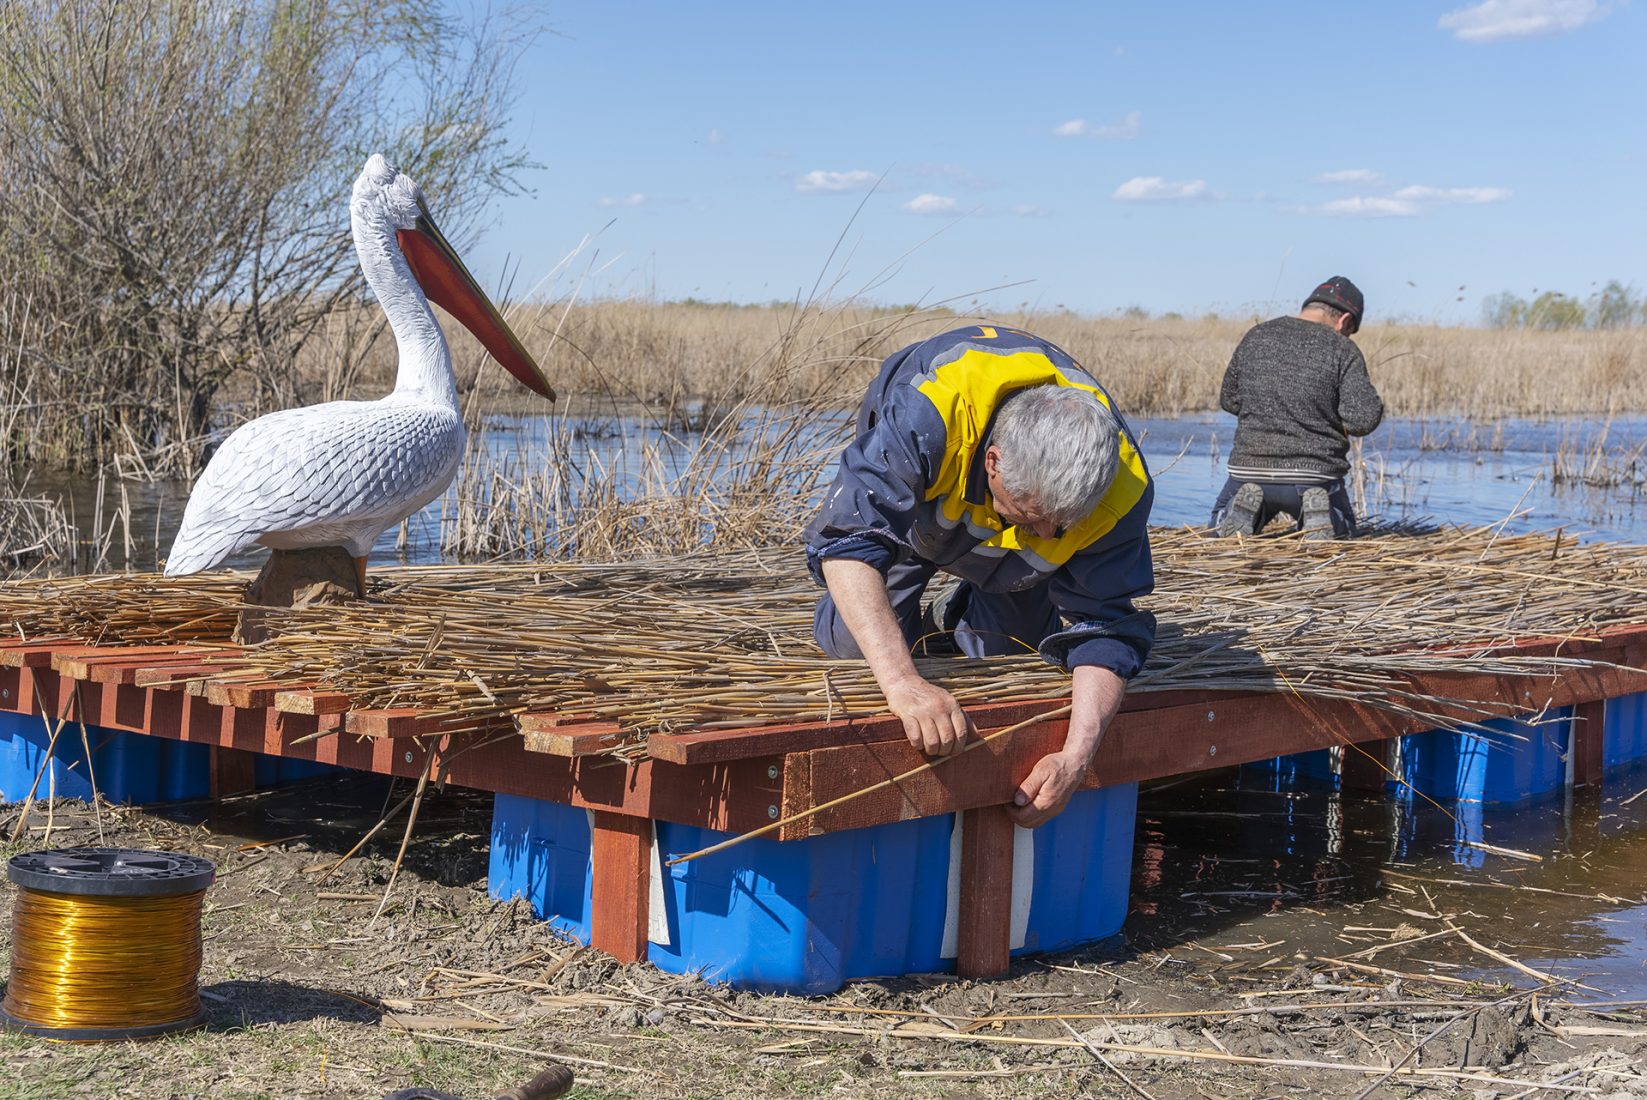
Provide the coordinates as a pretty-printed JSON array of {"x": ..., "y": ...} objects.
[
  {"x": 715, "y": 137},
  {"x": 1125, "y": 130},
  {"x": 1156, "y": 189},
  {"x": 932, "y": 204},
  {"x": 819, "y": 181},
  {"x": 1030, "y": 210},
  {"x": 635, "y": 199},
  {"x": 1370, "y": 206},
  {"x": 1469, "y": 195},
  {"x": 1406, "y": 202},
  {"x": 1349, "y": 175},
  {"x": 1496, "y": 20}
]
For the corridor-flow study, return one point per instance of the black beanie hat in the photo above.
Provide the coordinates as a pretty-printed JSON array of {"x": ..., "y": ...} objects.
[{"x": 1340, "y": 293}]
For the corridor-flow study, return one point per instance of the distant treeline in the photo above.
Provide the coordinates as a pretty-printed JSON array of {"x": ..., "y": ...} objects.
[{"x": 1613, "y": 306}]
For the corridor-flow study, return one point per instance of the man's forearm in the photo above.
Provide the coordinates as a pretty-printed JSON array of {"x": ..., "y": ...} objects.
[
  {"x": 1096, "y": 695},
  {"x": 933, "y": 720},
  {"x": 859, "y": 592}
]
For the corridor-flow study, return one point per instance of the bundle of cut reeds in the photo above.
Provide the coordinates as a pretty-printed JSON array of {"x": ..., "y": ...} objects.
[{"x": 725, "y": 639}]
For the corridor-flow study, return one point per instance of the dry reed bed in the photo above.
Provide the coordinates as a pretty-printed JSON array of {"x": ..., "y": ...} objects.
[
  {"x": 665, "y": 355},
  {"x": 725, "y": 639}
]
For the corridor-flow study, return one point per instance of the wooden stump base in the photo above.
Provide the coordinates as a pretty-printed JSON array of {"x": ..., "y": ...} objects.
[{"x": 312, "y": 577}]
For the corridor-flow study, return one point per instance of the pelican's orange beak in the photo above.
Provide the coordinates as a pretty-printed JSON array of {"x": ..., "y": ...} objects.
[{"x": 448, "y": 284}]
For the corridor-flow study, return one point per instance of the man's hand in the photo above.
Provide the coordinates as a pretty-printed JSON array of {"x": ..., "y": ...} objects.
[
  {"x": 1047, "y": 789},
  {"x": 933, "y": 720}
]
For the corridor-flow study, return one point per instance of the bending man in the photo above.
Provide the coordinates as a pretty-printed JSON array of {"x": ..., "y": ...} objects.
[
  {"x": 990, "y": 455},
  {"x": 1299, "y": 389}
]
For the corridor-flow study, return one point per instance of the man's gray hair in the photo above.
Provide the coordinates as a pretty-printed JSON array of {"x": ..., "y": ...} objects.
[
  {"x": 1060, "y": 447},
  {"x": 1330, "y": 311}
]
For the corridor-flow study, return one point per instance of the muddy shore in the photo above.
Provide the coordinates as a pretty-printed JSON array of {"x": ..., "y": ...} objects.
[{"x": 1319, "y": 967}]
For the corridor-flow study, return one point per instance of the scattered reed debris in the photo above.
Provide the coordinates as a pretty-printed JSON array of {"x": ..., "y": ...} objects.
[{"x": 725, "y": 639}]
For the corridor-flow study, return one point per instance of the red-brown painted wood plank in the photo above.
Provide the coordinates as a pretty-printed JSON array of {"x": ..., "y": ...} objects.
[
  {"x": 245, "y": 691},
  {"x": 1155, "y": 743},
  {"x": 234, "y": 771},
  {"x": 404, "y": 722},
  {"x": 311, "y": 701},
  {"x": 15, "y": 693},
  {"x": 984, "y": 928},
  {"x": 177, "y": 676},
  {"x": 1587, "y": 745},
  {"x": 572, "y": 740},
  {"x": 256, "y": 694},
  {"x": 715, "y": 746},
  {"x": 39, "y": 654},
  {"x": 1365, "y": 767},
  {"x": 549, "y": 719},
  {"x": 79, "y": 665},
  {"x": 125, "y": 671},
  {"x": 621, "y": 863}
]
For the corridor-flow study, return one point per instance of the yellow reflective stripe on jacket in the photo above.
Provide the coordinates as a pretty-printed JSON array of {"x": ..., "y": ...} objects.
[{"x": 966, "y": 391}]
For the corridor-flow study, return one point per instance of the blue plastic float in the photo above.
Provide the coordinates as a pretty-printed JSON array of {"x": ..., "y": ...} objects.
[
  {"x": 132, "y": 768},
  {"x": 806, "y": 916}
]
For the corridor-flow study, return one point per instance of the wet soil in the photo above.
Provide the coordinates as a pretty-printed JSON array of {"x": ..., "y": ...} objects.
[{"x": 1279, "y": 942}]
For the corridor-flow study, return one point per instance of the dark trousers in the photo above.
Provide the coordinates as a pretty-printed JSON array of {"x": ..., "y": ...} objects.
[
  {"x": 1288, "y": 498},
  {"x": 985, "y": 624}
]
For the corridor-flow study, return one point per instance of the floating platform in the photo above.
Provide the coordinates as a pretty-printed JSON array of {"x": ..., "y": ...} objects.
[{"x": 903, "y": 879}]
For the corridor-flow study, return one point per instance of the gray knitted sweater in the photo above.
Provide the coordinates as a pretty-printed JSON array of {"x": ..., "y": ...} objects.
[{"x": 1298, "y": 390}]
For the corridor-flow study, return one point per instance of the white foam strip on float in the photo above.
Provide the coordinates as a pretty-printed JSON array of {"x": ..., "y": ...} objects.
[
  {"x": 657, "y": 918},
  {"x": 1023, "y": 888}
]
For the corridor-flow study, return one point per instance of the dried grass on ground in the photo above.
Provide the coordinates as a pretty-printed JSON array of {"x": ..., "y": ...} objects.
[{"x": 309, "y": 998}]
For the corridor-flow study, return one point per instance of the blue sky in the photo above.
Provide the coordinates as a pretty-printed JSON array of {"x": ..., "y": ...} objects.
[{"x": 1190, "y": 157}]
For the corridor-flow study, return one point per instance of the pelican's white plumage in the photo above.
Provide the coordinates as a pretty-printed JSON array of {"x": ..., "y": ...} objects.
[{"x": 342, "y": 473}]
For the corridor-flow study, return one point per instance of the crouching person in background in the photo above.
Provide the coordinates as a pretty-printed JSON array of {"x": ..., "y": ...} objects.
[{"x": 1299, "y": 389}]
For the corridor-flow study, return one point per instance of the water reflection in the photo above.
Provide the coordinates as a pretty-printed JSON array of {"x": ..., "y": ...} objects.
[{"x": 1277, "y": 856}]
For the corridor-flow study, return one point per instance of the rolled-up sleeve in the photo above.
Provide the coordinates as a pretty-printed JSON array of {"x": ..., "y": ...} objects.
[
  {"x": 869, "y": 511},
  {"x": 1095, "y": 593}
]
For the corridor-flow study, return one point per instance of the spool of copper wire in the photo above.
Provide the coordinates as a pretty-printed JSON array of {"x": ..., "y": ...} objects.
[{"x": 105, "y": 943}]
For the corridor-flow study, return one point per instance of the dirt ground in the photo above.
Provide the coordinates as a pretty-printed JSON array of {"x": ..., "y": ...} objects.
[{"x": 309, "y": 997}]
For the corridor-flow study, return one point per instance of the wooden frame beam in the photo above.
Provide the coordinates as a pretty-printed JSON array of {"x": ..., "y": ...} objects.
[
  {"x": 621, "y": 858},
  {"x": 1587, "y": 743},
  {"x": 984, "y": 930}
]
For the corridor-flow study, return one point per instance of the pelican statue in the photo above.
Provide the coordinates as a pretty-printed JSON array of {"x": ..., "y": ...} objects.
[{"x": 342, "y": 473}]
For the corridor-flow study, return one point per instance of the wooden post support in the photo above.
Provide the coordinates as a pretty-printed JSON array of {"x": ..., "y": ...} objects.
[
  {"x": 621, "y": 853},
  {"x": 1365, "y": 767},
  {"x": 234, "y": 771},
  {"x": 984, "y": 932},
  {"x": 1586, "y": 744}
]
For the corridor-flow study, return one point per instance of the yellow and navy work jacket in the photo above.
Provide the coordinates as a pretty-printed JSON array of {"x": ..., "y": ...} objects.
[{"x": 912, "y": 485}]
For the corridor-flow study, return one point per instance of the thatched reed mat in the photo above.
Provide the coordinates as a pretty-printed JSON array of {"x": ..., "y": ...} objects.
[{"x": 717, "y": 640}]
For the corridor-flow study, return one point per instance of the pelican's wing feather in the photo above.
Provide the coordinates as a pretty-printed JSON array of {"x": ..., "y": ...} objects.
[{"x": 341, "y": 467}]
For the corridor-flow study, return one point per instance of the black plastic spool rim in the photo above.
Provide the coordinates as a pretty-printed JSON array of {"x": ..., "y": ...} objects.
[{"x": 109, "y": 873}]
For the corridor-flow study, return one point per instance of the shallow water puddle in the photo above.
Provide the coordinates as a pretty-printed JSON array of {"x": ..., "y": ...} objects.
[{"x": 1245, "y": 881}]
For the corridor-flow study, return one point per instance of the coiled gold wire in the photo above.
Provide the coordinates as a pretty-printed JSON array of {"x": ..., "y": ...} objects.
[{"x": 83, "y": 961}]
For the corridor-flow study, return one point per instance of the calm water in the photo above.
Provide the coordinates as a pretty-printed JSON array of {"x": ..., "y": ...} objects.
[
  {"x": 1446, "y": 471},
  {"x": 1233, "y": 859}
]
